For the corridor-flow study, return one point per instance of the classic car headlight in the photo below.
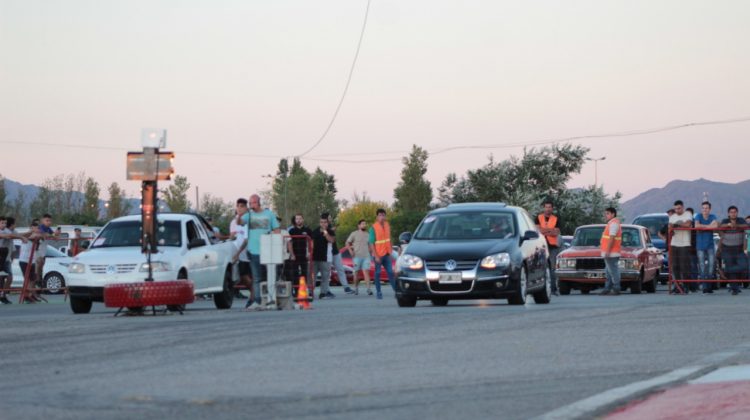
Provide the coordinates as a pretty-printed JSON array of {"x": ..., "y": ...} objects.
[
  {"x": 156, "y": 266},
  {"x": 493, "y": 261},
  {"x": 566, "y": 263},
  {"x": 412, "y": 262},
  {"x": 77, "y": 268},
  {"x": 629, "y": 264}
]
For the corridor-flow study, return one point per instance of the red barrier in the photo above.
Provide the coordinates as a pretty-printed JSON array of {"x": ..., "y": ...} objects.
[
  {"x": 731, "y": 263},
  {"x": 149, "y": 293}
]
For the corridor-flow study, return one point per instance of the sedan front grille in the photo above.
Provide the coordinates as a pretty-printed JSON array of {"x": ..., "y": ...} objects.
[
  {"x": 461, "y": 265},
  {"x": 118, "y": 268},
  {"x": 464, "y": 286},
  {"x": 590, "y": 264}
]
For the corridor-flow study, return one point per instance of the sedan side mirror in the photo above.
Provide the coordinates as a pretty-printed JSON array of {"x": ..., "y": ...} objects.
[
  {"x": 196, "y": 242},
  {"x": 405, "y": 237},
  {"x": 530, "y": 234}
]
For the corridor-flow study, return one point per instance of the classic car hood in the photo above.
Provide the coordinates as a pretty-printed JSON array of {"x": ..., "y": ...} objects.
[
  {"x": 459, "y": 249},
  {"x": 123, "y": 255},
  {"x": 593, "y": 252}
]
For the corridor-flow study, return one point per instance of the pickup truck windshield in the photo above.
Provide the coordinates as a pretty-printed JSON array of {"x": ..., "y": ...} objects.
[
  {"x": 128, "y": 233},
  {"x": 467, "y": 225}
]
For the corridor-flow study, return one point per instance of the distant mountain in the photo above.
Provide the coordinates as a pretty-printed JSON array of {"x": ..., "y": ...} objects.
[{"x": 720, "y": 194}]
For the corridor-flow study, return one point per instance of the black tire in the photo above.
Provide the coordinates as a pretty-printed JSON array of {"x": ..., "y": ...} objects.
[
  {"x": 182, "y": 275},
  {"x": 439, "y": 301},
  {"x": 406, "y": 301},
  {"x": 54, "y": 282},
  {"x": 224, "y": 299},
  {"x": 545, "y": 295},
  {"x": 650, "y": 287},
  {"x": 585, "y": 291},
  {"x": 519, "y": 296},
  {"x": 80, "y": 305},
  {"x": 564, "y": 288},
  {"x": 637, "y": 286}
]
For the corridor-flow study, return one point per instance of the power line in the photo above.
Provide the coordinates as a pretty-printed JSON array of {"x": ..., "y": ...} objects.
[{"x": 346, "y": 87}]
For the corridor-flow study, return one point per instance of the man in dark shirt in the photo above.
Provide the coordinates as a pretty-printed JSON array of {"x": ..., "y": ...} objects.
[
  {"x": 732, "y": 248},
  {"x": 323, "y": 238},
  {"x": 299, "y": 263}
]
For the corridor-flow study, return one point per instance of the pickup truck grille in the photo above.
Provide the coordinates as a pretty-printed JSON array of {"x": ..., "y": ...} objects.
[
  {"x": 119, "y": 268},
  {"x": 461, "y": 265},
  {"x": 589, "y": 264}
]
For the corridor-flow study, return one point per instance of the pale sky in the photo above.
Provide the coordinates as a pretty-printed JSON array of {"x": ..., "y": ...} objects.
[{"x": 264, "y": 77}]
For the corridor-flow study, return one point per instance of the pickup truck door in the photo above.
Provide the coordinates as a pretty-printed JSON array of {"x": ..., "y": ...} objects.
[
  {"x": 212, "y": 263},
  {"x": 197, "y": 257}
]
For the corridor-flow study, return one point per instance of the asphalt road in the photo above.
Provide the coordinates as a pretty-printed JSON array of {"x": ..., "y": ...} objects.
[{"x": 353, "y": 357}]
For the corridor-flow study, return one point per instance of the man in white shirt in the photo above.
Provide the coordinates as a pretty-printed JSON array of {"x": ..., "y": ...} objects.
[
  {"x": 238, "y": 233},
  {"x": 679, "y": 258}
]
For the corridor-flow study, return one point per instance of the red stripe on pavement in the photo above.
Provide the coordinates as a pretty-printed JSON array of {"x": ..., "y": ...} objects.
[{"x": 723, "y": 400}]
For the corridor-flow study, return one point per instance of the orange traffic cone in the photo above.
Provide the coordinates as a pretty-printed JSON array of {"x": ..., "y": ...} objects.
[{"x": 302, "y": 295}]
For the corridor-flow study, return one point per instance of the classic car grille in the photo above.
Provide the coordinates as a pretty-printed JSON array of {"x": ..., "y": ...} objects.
[
  {"x": 119, "y": 268},
  {"x": 461, "y": 265},
  {"x": 590, "y": 264},
  {"x": 464, "y": 286}
]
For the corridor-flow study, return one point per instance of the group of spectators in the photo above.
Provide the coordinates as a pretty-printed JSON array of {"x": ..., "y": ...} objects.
[
  {"x": 304, "y": 246},
  {"x": 694, "y": 252}
]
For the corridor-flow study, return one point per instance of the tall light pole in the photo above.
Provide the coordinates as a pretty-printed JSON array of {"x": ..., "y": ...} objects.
[{"x": 596, "y": 169}]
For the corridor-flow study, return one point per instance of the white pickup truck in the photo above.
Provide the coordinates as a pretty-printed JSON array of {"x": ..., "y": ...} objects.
[{"x": 187, "y": 249}]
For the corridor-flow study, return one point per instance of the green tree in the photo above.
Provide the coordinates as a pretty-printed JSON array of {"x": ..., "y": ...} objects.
[
  {"x": 348, "y": 218},
  {"x": 19, "y": 209},
  {"x": 118, "y": 204},
  {"x": 175, "y": 195},
  {"x": 295, "y": 190},
  {"x": 42, "y": 203},
  {"x": 577, "y": 207},
  {"x": 217, "y": 210},
  {"x": 413, "y": 193},
  {"x": 90, "y": 210}
]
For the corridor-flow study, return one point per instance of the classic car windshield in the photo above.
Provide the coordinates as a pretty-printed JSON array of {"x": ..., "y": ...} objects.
[
  {"x": 467, "y": 225},
  {"x": 128, "y": 233},
  {"x": 592, "y": 237}
]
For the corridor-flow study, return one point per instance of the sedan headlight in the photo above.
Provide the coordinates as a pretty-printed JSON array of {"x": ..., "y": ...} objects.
[
  {"x": 629, "y": 264},
  {"x": 498, "y": 260},
  {"x": 77, "y": 268},
  {"x": 566, "y": 263},
  {"x": 411, "y": 262},
  {"x": 156, "y": 266}
]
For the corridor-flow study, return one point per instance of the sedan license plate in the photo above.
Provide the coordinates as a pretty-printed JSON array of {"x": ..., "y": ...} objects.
[
  {"x": 449, "y": 278},
  {"x": 595, "y": 275}
]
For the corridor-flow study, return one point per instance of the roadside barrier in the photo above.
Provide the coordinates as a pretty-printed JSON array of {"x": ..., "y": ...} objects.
[
  {"x": 175, "y": 294},
  {"x": 724, "y": 261}
]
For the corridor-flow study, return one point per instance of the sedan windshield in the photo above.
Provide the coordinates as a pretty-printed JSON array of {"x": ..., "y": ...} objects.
[
  {"x": 467, "y": 225},
  {"x": 592, "y": 237},
  {"x": 128, "y": 233}
]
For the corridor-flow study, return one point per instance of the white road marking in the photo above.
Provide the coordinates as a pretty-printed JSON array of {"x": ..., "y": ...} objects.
[{"x": 725, "y": 374}]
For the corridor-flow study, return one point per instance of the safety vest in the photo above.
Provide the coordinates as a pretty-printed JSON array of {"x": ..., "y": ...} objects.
[
  {"x": 604, "y": 245},
  {"x": 382, "y": 239},
  {"x": 549, "y": 224}
]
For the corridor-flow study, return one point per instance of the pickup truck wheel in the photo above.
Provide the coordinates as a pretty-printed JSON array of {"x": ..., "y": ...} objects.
[
  {"x": 182, "y": 275},
  {"x": 406, "y": 301},
  {"x": 564, "y": 288},
  {"x": 650, "y": 287},
  {"x": 636, "y": 286},
  {"x": 585, "y": 291},
  {"x": 224, "y": 299},
  {"x": 54, "y": 282},
  {"x": 519, "y": 296},
  {"x": 80, "y": 305}
]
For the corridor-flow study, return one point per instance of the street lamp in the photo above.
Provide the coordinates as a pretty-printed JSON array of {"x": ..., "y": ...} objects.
[{"x": 596, "y": 169}]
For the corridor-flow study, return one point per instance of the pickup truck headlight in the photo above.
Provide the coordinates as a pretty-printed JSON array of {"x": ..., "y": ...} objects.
[
  {"x": 629, "y": 264},
  {"x": 498, "y": 260},
  {"x": 77, "y": 268},
  {"x": 412, "y": 262},
  {"x": 566, "y": 263},
  {"x": 156, "y": 266}
]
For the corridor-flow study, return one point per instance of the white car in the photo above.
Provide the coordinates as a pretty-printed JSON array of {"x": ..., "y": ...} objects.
[
  {"x": 55, "y": 271},
  {"x": 187, "y": 249}
]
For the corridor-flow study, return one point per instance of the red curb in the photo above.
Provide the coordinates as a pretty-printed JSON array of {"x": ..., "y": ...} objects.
[{"x": 723, "y": 400}]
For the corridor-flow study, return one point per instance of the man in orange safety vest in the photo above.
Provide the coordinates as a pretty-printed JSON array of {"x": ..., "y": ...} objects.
[{"x": 610, "y": 245}]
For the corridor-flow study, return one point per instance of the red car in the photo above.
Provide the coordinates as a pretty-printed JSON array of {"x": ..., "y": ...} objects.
[
  {"x": 346, "y": 258},
  {"x": 581, "y": 266}
]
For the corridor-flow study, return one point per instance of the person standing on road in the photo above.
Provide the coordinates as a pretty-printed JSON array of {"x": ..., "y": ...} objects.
[
  {"x": 322, "y": 238},
  {"x": 358, "y": 243},
  {"x": 26, "y": 262},
  {"x": 336, "y": 263},
  {"x": 7, "y": 235},
  {"x": 679, "y": 259},
  {"x": 301, "y": 235},
  {"x": 45, "y": 232},
  {"x": 259, "y": 221},
  {"x": 238, "y": 233},
  {"x": 380, "y": 248},
  {"x": 610, "y": 246},
  {"x": 704, "y": 245},
  {"x": 732, "y": 248},
  {"x": 549, "y": 225}
]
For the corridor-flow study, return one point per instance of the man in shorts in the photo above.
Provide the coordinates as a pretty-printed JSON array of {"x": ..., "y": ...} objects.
[{"x": 358, "y": 243}]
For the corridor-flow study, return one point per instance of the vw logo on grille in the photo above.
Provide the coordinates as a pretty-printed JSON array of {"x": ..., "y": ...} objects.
[
  {"x": 111, "y": 269},
  {"x": 450, "y": 265}
]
